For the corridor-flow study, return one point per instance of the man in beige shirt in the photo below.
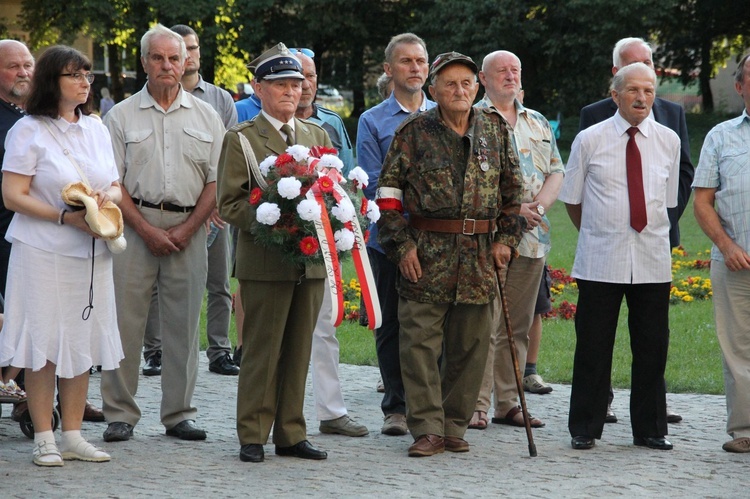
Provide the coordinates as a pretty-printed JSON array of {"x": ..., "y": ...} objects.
[{"x": 167, "y": 145}]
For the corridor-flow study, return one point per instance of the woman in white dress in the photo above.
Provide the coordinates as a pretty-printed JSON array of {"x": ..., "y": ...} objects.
[{"x": 60, "y": 316}]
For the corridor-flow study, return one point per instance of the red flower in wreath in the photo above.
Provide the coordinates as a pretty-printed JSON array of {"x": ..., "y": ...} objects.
[
  {"x": 309, "y": 246},
  {"x": 255, "y": 196},
  {"x": 325, "y": 184}
]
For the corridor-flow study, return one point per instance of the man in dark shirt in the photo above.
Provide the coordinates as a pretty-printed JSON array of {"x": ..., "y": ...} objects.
[{"x": 16, "y": 68}]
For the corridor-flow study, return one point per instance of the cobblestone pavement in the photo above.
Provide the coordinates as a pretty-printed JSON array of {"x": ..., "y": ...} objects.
[{"x": 154, "y": 465}]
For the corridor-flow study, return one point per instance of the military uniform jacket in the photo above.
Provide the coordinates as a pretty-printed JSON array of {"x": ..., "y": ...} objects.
[
  {"x": 256, "y": 262},
  {"x": 446, "y": 176}
]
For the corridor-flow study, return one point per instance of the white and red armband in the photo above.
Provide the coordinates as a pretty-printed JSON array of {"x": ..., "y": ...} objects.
[{"x": 389, "y": 198}]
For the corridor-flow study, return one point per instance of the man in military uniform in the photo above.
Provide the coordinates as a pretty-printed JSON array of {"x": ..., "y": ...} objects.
[
  {"x": 282, "y": 300},
  {"x": 452, "y": 169}
]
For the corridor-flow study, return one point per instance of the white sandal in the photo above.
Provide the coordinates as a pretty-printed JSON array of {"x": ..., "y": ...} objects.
[
  {"x": 84, "y": 451},
  {"x": 46, "y": 454}
]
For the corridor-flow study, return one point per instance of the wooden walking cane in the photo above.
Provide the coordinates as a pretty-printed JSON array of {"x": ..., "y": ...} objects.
[{"x": 514, "y": 357}]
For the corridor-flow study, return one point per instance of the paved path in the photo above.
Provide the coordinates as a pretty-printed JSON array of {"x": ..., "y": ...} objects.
[{"x": 153, "y": 465}]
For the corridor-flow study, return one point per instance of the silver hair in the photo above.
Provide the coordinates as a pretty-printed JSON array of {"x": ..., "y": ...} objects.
[
  {"x": 739, "y": 74},
  {"x": 160, "y": 30},
  {"x": 383, "y": 82},
  {"x": 491, "y": 55},
  {"x": 618, "y": 81},
  {"x": 621, "y": 45},
  {"x": 404, "y": 38}
]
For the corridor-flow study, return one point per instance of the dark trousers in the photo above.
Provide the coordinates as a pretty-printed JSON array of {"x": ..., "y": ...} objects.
[
  {"x": 596, "y": 324},
  {"x": 386, "y": 336}
]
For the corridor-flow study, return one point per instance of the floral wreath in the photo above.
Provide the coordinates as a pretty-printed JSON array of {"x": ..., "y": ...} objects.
[{"x": 306, "y": 214}]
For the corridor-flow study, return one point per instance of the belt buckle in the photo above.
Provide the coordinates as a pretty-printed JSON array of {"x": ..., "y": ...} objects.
[{"x": 473, "y": 222}]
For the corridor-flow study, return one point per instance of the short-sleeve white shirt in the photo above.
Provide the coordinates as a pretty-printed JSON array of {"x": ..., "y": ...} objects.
[
  {"x": 31, "y": 150},
  {"x": 609, "y": 250}
]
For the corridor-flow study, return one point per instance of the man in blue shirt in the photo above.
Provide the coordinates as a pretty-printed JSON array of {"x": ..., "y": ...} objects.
[
  {"x": 329, "y": 401},
  {"x": 247, "y": 109},
  {"x": 721, "y": 189},
  {"x": 406, "y": 62}
]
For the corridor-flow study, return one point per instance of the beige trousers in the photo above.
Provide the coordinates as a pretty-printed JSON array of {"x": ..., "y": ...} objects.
[{"x": 181, "y": 279}]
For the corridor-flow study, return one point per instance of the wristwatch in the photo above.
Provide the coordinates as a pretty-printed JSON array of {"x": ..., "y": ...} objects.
[{"x": 540, "y": 209}]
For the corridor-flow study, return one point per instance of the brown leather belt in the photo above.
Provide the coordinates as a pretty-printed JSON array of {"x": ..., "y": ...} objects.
[
  {"x": 467, "y": 226},
  {"x": 163, "y": 206}
]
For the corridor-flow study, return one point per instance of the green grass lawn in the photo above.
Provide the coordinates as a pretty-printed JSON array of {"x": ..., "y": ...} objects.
[{"x": 694, "y": 358}]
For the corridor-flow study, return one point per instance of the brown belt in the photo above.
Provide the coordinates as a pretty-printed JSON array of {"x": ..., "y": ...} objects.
[{"x": 467, "y": 226}]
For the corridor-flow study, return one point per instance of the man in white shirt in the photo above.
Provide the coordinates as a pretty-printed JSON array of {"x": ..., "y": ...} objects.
[{"x": 621, "y": 177}]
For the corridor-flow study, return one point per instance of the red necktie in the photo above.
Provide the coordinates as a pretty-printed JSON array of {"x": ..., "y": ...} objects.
[{"x": 635, "y": 183}]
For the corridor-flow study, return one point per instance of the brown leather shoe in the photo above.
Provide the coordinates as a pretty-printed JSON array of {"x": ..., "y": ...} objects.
[
  {"x": 92, "y": 413},
  {"x": 455, "y": 444},
  {"x": 427, "y": 445}
]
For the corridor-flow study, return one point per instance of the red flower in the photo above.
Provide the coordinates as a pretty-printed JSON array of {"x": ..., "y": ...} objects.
[
  {"x": 363, "y": 207},
  {"x": 325, "y": 184},
  {"x": 284, "y": 159},
  {"x": 367, "y": 236},
  {"x": 319, "y": 151},
  {"x": 255, "y": 196},
  {"x": 309, "y": 246}
]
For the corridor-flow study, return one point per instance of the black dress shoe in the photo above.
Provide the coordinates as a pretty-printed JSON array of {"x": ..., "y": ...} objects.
[
  {"x": 237, "y": 357},
  {"x": 582, "y": 443},
  {"x": 302, "y": 450},
  {"x": 252, "y": 453},
  {"x": 152, "y": 367},
  {"x": 224, "y": 365},
  {"x": 610, "y": 417},
  {"x": 659, "y": 443},
  {"x": 187, "y": 430},
  {"x": 118, "y": 432}
]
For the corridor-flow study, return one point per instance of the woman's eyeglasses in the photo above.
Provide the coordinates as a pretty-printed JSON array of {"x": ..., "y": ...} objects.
[
  {"x": 79, "y": 77},
  {"x": 309, "y": 53}
]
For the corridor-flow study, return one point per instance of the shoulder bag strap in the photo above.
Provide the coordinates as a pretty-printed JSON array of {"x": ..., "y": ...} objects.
[{"x": 67, "y": 153}]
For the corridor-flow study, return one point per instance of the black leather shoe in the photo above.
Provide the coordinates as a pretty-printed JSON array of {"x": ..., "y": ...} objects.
[
  {"x": 118, "y": 432},
  {"x": 673, "y": 417},
  {"x": 659, "y": 443},
  {"x": 187, "y": 430},
  {"x": 252, "y": 453},
  {"x": 237, "y": 357},
  {"x": 610, "y": 416},
  {"x": 582, "y": 443},
  {"x": 302, "y": 450},
  {"x": 152, "y": 367},
  {"x": 224, "y": 365}
]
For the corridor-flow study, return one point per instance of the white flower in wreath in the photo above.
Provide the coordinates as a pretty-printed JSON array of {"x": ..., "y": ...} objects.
[
  {"x": 266, "y": 165},
  {"x": 289, "y": 187},
  {"x": 359, "y": 175},
  {"x": 344, "y": 239},
  {"x": 330, "y": 161},
  {"x": 344, "y": 211},
  {"x": 373, "y": 212},
  {"x": 268, "y": 213},
  {"x": 298, "y": 152},
  {"x": 308, "y": 210}
]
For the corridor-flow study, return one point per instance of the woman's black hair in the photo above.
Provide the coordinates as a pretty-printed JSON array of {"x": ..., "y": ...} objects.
[{"x": 45, "y": 95}]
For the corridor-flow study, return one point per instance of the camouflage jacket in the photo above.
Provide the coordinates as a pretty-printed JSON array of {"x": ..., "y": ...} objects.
[{"x": 440, "y": 174}]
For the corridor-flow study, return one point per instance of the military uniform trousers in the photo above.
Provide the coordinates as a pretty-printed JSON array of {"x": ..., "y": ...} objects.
[
  {"x": 276, "y": 343},
  {"x": 181, "y": 279},
  {"x": 440, "y": 398}
]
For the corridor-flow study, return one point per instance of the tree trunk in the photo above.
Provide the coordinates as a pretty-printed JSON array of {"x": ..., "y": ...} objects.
[
  {"x": 115, "y": 72},
  {"x": 357, "y": 78},
  {"x": 705, "y": 77}
]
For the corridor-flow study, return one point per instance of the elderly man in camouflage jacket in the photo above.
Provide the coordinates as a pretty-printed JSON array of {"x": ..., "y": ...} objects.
[{"x": 453, "y": 170}]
